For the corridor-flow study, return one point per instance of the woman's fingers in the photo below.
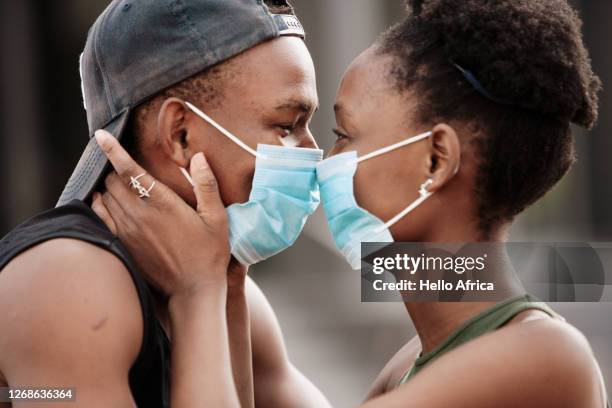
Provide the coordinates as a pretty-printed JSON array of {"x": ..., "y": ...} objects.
[
  {"x": 125, "y": 195},
  {"x": 100, "y": 209},
  {"x": 132, "y": 177},
  {"x": 210, "y": 206},
  {"x": 115, "y": 211},
  {"x": 123, "y": 164}
]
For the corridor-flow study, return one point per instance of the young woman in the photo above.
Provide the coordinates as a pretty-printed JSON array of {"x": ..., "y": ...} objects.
[{"x": 492, "y": 88}]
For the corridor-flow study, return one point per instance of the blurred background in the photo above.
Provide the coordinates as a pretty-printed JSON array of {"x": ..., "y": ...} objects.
[{"x": 339, "y": 342}]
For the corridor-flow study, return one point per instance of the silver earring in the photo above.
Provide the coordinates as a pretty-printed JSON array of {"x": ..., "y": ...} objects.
[{"x": 423, "y": 190}]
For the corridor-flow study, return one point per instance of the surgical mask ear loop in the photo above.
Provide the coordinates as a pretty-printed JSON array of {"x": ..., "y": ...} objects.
[
  {"x": 187, "y": 176},
  {"x": 424, "y": 195},
  {"x": 225, "y": 132},
  {"x": 391, "y": 148}
]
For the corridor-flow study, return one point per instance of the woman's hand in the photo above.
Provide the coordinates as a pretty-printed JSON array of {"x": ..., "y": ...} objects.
[{"x": 178, "y": 249}]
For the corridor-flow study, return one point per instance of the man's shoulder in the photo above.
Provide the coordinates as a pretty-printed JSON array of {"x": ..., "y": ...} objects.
[
  {"x": 74, "y": 220},
  {"x": 67, "y": 291},
  {"x": 66, "y": 248},
  {"x": 67, "y": 268}
]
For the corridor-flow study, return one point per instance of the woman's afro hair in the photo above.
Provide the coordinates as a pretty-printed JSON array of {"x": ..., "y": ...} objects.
[{"x": 530, "y": 52}]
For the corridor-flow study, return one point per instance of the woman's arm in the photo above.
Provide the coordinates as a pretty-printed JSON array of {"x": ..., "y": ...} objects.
[
  {"x": 201, "y": 367},
  {"x": 540, "y": 363},
  {"x": 239, "y": 326},
  {"x": 195, "y": 281}
]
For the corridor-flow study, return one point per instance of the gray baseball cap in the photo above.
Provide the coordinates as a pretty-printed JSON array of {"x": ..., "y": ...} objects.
[{"x": 137, "y": 48}]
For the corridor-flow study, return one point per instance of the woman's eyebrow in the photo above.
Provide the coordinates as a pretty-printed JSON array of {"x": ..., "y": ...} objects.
[
  {"x": 343, "y": 115},
  {"x": 341, "y": 110}
]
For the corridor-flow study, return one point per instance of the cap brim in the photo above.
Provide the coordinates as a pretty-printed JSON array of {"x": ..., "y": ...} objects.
[{"x": 92, "y": 165}]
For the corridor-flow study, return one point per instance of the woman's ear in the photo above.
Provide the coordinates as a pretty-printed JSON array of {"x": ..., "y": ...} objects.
[
  {"x": 446, "y": 156},
  {"x": 172, "y": 131}
]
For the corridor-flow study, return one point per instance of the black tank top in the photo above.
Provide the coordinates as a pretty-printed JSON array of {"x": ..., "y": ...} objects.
[{"x": 150, "y": 374}]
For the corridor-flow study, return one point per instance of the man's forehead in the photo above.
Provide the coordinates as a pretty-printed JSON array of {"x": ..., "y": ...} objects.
[
  {"x": 285, "y": 59},
  {"x": 278, "y": 74}
]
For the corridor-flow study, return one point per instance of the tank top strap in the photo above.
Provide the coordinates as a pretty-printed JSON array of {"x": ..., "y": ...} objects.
[{"x": 486, "y": 321}]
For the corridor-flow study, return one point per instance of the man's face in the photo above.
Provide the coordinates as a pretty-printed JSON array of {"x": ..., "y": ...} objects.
[{"x": 270, "y": 100}]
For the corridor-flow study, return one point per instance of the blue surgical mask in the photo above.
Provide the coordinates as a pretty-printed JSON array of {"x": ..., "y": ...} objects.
[
  {"x": 284, "y": 194},
  {"x": 350, "y": 224}
]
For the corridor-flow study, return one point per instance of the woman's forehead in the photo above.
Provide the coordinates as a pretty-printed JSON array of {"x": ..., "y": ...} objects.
[{"x": 366, "y": 83}]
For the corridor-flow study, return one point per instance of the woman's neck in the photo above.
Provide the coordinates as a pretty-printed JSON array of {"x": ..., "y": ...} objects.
[{"x": 435, "y": 321}]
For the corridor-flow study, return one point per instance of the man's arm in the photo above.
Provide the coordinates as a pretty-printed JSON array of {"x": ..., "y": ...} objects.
[
  {"x": 70, "y": 318},
  {"x": 278, "y": 383}
]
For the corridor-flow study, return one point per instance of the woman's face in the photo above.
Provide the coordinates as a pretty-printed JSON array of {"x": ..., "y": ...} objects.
[{"x": 372, "y": 114}]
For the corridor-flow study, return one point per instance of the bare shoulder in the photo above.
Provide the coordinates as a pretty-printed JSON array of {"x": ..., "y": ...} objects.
[
  {"x": 547, "y": 340},
  {"x": 532, "y": 364},
  {"x": 268, "y": 343},
  {"x": 67, "y": 296},
  {"x": 258, "y": 302},
  {"x": 394, "y": 370},
  {"x": 554, "y": 356},
  {"x": 541, "y": 362},
  {"x": 278, "y": 383}
]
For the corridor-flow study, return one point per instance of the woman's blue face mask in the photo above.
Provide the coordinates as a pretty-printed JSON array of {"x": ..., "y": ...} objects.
[
  {"x": 350, "y": 224},
  {"x": 284, "y": 194}
]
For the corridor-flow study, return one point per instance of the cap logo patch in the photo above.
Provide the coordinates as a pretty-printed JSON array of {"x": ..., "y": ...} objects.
[{"x": 289, "y": 25}]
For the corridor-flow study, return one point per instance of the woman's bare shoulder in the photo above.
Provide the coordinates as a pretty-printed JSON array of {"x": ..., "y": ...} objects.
[
  {"x": 536, "y": 363},
  {"x": 539, "y": 360}
]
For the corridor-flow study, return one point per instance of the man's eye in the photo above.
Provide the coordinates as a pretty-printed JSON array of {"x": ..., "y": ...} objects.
[
  {"x": 287, "y": 129},
  {"x": 340, "y": 135}
]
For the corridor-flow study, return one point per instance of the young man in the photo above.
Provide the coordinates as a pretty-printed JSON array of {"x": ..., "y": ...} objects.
[{"x": 76, "y": 312}]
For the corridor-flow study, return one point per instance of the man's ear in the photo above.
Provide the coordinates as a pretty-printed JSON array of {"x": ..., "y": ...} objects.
[
  {"x": 172, "y": 131},
  {"x": 445, "y": 156}
]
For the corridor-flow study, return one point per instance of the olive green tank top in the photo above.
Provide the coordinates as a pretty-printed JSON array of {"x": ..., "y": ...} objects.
[{"x": 485, "y": 322}]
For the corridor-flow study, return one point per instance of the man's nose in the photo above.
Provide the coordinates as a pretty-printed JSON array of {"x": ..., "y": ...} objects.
[
  {"x": 307, "y": 140},
  {"x": 303, "y": 139}
]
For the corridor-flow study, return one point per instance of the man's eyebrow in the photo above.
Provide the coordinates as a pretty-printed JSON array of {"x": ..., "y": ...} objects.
[{"x": 301, "y": 105}]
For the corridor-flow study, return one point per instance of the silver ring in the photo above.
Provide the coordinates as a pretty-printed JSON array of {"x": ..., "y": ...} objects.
[{"x": 142, "y": 192}]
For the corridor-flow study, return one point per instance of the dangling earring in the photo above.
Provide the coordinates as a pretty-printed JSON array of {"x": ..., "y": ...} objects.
[{"x": 423, "y": 190}]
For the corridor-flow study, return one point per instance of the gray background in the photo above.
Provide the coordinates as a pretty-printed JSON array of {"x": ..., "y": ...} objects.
[{"x": 335, "y": 339}]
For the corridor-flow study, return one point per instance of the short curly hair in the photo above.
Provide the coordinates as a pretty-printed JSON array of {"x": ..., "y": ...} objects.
[{"x": 528, "y": 53}]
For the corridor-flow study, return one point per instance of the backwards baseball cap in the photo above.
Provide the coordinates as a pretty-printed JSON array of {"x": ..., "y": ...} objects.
[{"x": 137, "y": 48}]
